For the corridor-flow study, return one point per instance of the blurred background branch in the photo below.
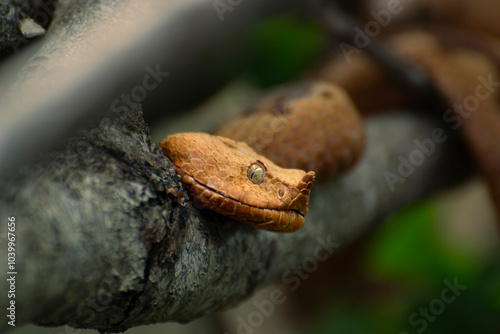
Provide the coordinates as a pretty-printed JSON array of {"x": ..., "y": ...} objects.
[{"x": 101, "y": 49}]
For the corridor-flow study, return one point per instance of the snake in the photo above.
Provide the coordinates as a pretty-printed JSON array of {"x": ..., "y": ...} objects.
[{"x": 259, "y": 167}]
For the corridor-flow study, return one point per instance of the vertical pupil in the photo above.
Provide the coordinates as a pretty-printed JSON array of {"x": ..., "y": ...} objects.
[{"x": 255, "y": 172}]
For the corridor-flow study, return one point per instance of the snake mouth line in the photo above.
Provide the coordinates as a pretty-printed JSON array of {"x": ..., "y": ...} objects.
[{"x": 299, "y": 212}]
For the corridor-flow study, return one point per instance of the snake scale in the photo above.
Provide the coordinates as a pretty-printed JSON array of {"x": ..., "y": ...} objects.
[{"x": 253, "y": 167}]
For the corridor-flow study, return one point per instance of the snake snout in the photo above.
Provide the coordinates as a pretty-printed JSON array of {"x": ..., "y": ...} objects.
[{"x": 300, "y": 203}]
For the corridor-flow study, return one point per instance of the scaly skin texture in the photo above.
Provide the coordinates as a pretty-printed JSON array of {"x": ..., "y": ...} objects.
[
  {"x": 215, "y": 169},
  {"x": 310, "y": 126},
  {"x": 306, "y": 126}
]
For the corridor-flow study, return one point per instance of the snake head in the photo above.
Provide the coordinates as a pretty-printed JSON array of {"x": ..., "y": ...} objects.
[{"x": 230, "y": 178}]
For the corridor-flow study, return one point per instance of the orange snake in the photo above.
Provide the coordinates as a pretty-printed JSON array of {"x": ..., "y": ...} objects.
[{"x": 258, "y": 176}]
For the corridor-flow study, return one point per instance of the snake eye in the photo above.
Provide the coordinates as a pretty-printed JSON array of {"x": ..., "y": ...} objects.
[{"x": 256, "y": 172}]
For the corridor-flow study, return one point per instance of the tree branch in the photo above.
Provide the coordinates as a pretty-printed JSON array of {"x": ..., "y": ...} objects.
[{"x": 108, "y": 239}]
